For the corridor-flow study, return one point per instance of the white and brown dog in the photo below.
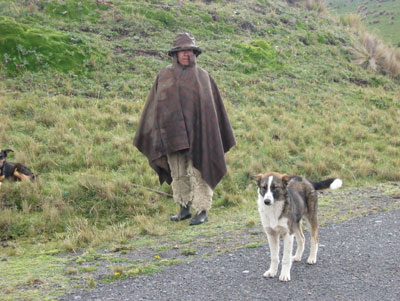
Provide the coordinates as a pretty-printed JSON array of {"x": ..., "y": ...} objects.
[{"x": 282, "y": 202}]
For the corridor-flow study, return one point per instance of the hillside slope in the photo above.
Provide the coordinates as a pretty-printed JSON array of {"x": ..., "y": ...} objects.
[
  {"x": 75, "y": 75},
  {"x": 380, "y": 17}
]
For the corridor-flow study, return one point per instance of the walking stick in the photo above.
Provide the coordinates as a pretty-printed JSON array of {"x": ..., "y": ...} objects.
[{"x": 153, "y": 190}]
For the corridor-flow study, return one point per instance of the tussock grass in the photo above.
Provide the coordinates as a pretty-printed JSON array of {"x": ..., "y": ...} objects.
[
  {"x": 147, "y": 226},
  {"x": 393, "y": 65},
  {"x": 371, "y": 52},
  {"x": 90, "y": 282},
  {"x": 353, "y": 21},
  {"x": 72, "y": 271},
  {"x": 80, "y": 234},
  {"x": 316, "y": 5},
  {"x": 116, "y": 269}
]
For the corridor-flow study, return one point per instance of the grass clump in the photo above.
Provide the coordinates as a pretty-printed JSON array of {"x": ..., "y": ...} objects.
[
  {"x": 90, "y": 282},
  {"x": 253, "y": 245},
  {"x": 123, "y": 272},
  {"x": 148, "y": 269},
  {"x": 255, "y": 55},
  {"x": 317, "y": 6},
  {"x": 371, "y": 53},
  {"x": 168, "y": 262},
  {"x": 189, "y": 252},
  {"x": 147, "y": 226},
  {"x": 352, "y": 20},
  {"x": 72, "y": 271}
]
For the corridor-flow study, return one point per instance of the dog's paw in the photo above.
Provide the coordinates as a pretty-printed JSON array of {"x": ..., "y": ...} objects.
[
  {"x": 311, "y": 260},
  {"x": 269, "y": 274},
  {"x": 296, "y": 258},
  {"x": 284, "y": 277}
]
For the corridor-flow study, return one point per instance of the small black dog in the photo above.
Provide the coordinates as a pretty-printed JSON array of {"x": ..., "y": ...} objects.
[{"x": 14, "y": 171}]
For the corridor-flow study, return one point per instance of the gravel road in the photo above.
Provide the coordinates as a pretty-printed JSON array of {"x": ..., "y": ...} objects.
[{"x": 358, "y": 260}]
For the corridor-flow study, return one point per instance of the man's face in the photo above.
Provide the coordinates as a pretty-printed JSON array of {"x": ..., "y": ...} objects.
[{"x": 184, "y": 57}]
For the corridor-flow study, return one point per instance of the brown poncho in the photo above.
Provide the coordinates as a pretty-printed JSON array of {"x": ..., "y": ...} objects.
[{"x": 184, "y": 112}]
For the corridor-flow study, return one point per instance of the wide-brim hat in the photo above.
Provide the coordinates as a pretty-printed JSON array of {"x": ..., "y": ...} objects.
[{"x": 184, "y": 41}]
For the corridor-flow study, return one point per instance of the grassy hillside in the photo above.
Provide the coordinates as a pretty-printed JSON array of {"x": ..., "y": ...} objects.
[
  {"x": 379, "y": 17},
  {"x": 74, "y": 77}
]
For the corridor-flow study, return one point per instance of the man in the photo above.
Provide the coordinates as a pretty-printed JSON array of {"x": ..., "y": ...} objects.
[{"x": 185, "y": 132}]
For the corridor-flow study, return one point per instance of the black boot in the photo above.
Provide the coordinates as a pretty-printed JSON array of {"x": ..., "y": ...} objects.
[
  {"x": 199, "y": 218},
  {"x": 184, "y": 213}
]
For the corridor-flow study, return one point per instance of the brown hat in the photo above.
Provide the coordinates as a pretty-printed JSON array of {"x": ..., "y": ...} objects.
[{"x": 184, "y": 41}]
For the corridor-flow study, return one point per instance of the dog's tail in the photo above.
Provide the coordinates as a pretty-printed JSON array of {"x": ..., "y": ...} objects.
[{"x": 332, "y": 183}]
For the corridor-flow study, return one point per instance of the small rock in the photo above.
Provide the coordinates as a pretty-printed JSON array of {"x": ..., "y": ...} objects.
[
  {"x": 4, "y": 259},
  {"x": 292, "y": 20},
  {"x": 4, "y": 244}
]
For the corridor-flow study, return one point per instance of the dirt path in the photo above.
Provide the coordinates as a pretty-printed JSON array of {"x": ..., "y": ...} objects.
[{"x": 357, "y": 260}]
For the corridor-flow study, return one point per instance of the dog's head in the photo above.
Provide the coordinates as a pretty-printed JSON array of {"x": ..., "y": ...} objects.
[
  {"x": 3, "y": 156},
  {"x": 272, "y": 187}
]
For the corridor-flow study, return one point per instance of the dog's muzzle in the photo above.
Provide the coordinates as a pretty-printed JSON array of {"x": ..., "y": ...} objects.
[{"x": 267, "y": 202}]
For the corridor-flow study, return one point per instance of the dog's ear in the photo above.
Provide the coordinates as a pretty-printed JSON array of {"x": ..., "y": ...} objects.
[
  {"x": 6, "y": 151},
  {"x": 285, "y": 180},
  {"x": 257, "y": 177}
]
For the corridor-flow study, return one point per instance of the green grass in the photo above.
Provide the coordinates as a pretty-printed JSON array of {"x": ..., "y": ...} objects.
[
  {"x": 296, "y": 102},
  {"x": 381, "y": 18},
  {"x": 31, "y": 48},
  {"x": 32, "y": 278},
  {"x": 131, "y": 271}
]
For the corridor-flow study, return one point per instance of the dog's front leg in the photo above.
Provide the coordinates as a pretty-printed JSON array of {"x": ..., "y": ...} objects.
[
  {"x": 273, "y": 241},
  {"x": 287, "y": 257}
]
